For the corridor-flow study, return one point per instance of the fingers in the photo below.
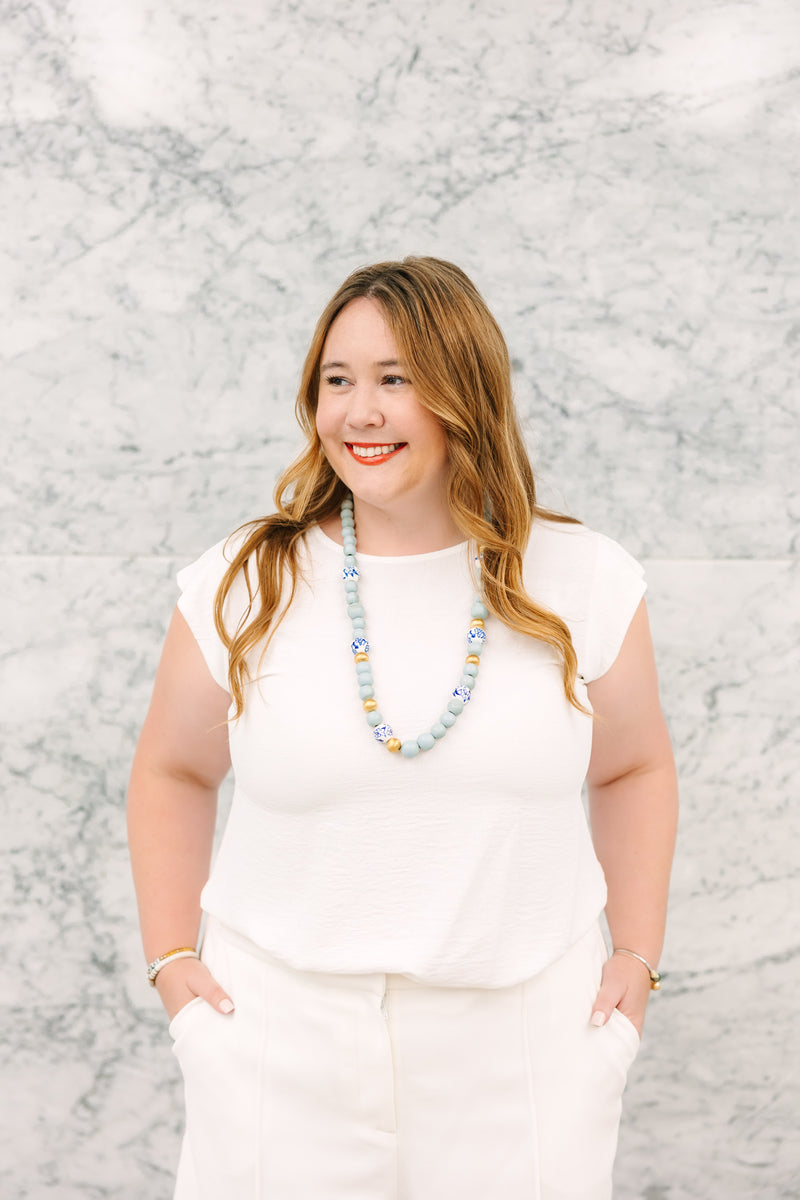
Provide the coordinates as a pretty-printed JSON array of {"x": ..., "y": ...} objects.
[
  {"x": 217, "y": 998},
  {"x": 181, "y": 982},
  {"x": 622, "y": 988},
  {"x": 606, "y": 1000}
]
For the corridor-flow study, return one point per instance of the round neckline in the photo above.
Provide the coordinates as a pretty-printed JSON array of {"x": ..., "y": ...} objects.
[{"x": 428, "y": 556}]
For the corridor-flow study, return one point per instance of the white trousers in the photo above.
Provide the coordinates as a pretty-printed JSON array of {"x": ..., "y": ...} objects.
[{"x": 374, "y": 1087}]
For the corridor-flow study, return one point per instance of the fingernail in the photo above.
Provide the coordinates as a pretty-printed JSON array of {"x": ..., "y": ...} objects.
[
  {"x": 226, "y": 1005},
  {"x": 598, "y": 1018}
]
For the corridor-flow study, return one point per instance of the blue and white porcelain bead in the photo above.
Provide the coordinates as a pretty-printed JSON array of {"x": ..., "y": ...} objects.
[
  {"x": 462, "y": 693},
  {"x": 374, "y": 718},
  {"x": 425, "y": 741},
  {"x": 359, "y": 645},
  {"x": 409, "y": 749},
  {"x": 476, "y": 638},
  {"x": 439, "y": 730},
  {"x": 366, "y": 691},
  {"x": 383, "y": 732},
  {"x": 447, "y": 719},
  {"x": 349, "y": 572},
  {"x": 455, "y": 706}
]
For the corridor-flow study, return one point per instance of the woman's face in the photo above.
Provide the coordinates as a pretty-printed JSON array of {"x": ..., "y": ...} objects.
[{"x": 383, "y": 444}]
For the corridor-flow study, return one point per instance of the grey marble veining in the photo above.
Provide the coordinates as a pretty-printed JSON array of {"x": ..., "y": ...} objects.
[
  {"x": 182, "y": 189},
  {"x": 620, "y": 183}
]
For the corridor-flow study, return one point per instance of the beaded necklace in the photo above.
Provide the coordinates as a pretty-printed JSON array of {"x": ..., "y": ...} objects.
[{"x": 462, "y": 692}]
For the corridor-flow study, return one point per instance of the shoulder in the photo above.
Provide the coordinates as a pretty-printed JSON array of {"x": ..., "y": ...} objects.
[
  {"x": 588, "y": 579},
  {"x": 216, "y": 559},
  {"x": 566, "y": 548}
]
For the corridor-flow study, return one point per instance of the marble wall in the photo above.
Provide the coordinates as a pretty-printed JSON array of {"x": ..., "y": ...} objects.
[{"x": 182, "y": 187}]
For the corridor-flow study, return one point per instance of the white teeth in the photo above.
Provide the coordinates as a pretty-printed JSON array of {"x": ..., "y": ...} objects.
[{"x": 374, "y": 451}]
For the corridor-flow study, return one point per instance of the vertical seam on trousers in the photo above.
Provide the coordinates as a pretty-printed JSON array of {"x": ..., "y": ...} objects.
[
  {"x": 535, "y": 1151},
  {"x": 261, "y": 1087}
]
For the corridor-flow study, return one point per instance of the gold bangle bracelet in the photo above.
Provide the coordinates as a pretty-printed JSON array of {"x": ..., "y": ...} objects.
[
  {"x": 655, "y": 977},
  {"x": 162, "y": 960}
]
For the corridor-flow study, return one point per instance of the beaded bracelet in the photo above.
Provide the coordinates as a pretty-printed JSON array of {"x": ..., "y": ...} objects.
[
  {"x": 655, "y": 977},
  {"x": 162, "y": 960}
]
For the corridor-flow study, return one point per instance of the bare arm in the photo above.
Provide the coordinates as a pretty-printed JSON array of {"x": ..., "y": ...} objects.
[
  {"x": 181, "y": 759},
  {"x": 633, "y": 804}
]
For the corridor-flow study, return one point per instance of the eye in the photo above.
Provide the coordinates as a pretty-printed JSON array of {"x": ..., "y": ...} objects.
[
  {"x": 394, "y": 380},
  {"x": 335, "y": 380}
]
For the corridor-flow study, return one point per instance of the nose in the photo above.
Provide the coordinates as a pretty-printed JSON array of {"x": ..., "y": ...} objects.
[{"x": 364, "y": 409}]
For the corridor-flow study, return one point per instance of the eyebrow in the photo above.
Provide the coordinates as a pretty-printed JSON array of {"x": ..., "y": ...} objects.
[{"x": 386, "y": 362}]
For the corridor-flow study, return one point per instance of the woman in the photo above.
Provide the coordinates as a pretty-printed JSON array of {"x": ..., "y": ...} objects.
[{"x": 404, "y": 991}]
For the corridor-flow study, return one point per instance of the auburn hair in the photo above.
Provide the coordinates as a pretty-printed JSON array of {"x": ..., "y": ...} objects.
[{"x": 458, "y": 362}]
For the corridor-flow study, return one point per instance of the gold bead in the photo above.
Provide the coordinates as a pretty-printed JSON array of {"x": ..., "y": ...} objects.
[
  {"x": 393, "y": 744},
  {"x": 361, "y": 657},
  {"x": 477, "y": 623},
  {"x": 473, "y": 658},
  {"x": 370, "y": 705}
]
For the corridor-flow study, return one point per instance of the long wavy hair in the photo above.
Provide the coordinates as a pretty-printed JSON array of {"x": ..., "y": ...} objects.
[{"x": 458, "y": 361}]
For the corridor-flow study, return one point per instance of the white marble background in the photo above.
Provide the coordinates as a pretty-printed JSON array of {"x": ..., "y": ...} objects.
[{"x": 182, "y": 187}]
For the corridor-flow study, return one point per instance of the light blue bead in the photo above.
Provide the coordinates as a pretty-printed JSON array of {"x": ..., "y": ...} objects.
[
  {"x": 467, "y": 681},
  {"x": 409, "y": 749},
  {"x": 374, "y": 718},
  {"x": 363, "y": 669},
  {"x": 347, "y": 502},
  {"x": 447, "y": 719},
  {"x": 455, "y": 706},
  {"x": 425, "y": 741},
  {"x": 351, "y": 585},
  {"x": 355, "y": 610},
  {"x": 366, "y": 692},
  {"x": 470, "y": 669},
  {"x": 350, "y": 563},
  {"x": 439, "y": 730},
  {"x": 348, "y": 544},
  {"x": 475, "y": 647},
  {"x": 479, "y": 609}
]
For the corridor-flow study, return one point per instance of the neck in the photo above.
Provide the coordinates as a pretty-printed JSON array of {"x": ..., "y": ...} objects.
[{"x": 398, "y": 533}]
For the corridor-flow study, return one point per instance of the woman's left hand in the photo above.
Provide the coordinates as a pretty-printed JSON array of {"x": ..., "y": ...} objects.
[{"x": 625, "y": 985}]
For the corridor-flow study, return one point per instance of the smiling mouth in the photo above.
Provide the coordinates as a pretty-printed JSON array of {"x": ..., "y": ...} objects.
[{"x": 373, "y": 453}]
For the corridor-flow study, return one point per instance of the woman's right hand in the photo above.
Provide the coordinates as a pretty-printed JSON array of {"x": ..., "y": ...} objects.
[{"x": 180, "y": 982}]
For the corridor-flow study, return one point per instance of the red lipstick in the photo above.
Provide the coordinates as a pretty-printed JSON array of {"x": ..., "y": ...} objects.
[{"x": 373, "y": 460}]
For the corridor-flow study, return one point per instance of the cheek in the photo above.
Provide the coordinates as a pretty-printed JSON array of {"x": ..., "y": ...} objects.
[{"x": 325, "y": 420}]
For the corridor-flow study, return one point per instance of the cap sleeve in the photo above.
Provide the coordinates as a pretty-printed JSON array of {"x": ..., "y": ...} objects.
[
  {"x": 617, "y": 588},
  {"x": 198, "y": 585}
]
